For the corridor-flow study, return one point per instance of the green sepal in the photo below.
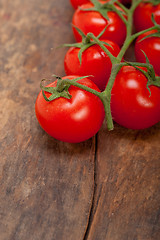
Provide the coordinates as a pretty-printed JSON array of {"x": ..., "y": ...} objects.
[
  {"x": 102, "y": 32},
  {"x": 86, "y": 42},
  {"x": 152, "y": 79},
  {"x": 153, "y": 20},
  {"x": 147, "y": 75},
  {"x": 82, "y": 49},
  {"x": 155, "y": 82},
  {"x": 103, "y": 9},
  {"x": 77, "y": 45},
  {"x": 147, "y": 60},
  {"x": 79, "y": 78},
  {"x": 79, "y": 31},
  {"x": 55, "y": 93},
  {"x": 61, "y": 89},
  {"x": 157, "y": 34}
]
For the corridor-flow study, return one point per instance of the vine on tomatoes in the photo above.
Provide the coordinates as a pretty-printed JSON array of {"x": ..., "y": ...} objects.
[{"x": 72, "y": 109}]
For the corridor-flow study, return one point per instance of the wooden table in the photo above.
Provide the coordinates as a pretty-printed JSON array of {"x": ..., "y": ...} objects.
[{"x": 107, "y": 188}]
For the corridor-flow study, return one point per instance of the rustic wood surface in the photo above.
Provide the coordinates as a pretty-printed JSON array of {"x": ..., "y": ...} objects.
[{"x": 107, "y": 188}]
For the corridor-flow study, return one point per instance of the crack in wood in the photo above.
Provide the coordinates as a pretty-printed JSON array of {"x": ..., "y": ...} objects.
[{"x": 92, "y": 212}]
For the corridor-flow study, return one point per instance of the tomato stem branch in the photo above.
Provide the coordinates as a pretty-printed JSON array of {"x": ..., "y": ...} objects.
[
  {"x": 112, "y": 58},
  {"x": 134, "y": 36},
  {"x": 122, "y": 7},
  {"x": 119, "y": 13},
  {"x": 76, "y": 84},
  {"x": 129, "y": 25},
  {"x": 107, "y": 94}
]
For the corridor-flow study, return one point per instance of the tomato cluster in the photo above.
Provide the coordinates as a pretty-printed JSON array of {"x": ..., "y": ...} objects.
[{"x": 135, "y": 103}]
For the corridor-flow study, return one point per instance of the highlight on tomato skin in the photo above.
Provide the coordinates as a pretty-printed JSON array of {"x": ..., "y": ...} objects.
[
  {"x": 93, "y": 21},
  {"x": 151, "y": 47},
  {"x": 71, "y": 120},
  {"x": 95, "y": 62},
  {"x": 132, "y": 105}
]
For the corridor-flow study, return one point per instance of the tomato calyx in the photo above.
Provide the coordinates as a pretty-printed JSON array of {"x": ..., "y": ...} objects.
[
  {"x": 62, "y": 88},
  {"x": 87, "y": 41},
  {"x": 148, "y": 71},
  {"x": 104, "y": 8}
]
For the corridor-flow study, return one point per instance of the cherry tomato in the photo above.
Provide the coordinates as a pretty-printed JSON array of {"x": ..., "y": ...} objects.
[
  {"x": 95, "y": 62},
  {"x": 143, "y": 13},
  {"x": 92, "y": 21},
  {"x": 151, "y": 47},
  {"x": 131, "y": 103},
  {"x": 77, "y": 3},
  {"x": 71, "y": 120}
]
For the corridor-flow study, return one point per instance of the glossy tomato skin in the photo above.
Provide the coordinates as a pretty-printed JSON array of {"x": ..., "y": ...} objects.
[
  {"x": 77, "y": 3},
  {"x": 92, "y": 21},
  {"x": 95, "y": 62},
  {"x": 131, "y": 104},
  {"x": 71, "y": 120},
  {"x": 143, "y": 13},
  {"x": 151, "y": 47}
]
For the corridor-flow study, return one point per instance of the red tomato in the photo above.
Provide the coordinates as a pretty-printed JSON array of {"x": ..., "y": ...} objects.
[
  {"x": 131, "y": 103},
  {"x": 151, "y": 47},
  {"x": 143, "y": 13},
  {"x": 94, "y": 62},
  {"x": 71, "y": 120},
  {"x": 77, "y": 3},
  {"x": 92, "y": 21}
]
